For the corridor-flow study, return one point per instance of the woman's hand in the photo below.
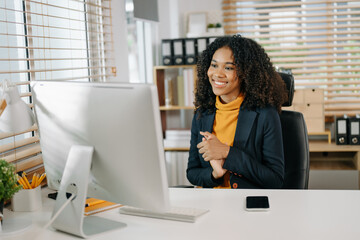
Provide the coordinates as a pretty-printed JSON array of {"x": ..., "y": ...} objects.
[
  {"x": 217, "y": 166},
  {"x": 212, "y": 148},
  {"x": 209, "y": 150}
]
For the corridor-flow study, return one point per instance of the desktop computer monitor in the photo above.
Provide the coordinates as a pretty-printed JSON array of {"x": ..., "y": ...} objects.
[{"x": 121, "y": 121}]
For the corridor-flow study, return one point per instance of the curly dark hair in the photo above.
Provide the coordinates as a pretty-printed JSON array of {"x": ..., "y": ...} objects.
[{"x": 259, "y": 82}]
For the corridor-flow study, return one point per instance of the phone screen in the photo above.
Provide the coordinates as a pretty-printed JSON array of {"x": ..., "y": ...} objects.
[{"x": 257, "y": 203}]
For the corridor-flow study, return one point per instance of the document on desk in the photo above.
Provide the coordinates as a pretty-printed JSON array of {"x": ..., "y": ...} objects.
[{"x": 94, "y": 205}]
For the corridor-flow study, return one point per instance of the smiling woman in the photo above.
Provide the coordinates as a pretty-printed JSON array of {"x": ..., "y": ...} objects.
[{"x": 236, "y": 139}]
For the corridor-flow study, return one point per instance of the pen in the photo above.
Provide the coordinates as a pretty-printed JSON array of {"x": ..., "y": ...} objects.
[{"x": 94, "y": 203}]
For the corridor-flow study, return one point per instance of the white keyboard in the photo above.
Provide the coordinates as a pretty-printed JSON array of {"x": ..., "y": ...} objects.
[{"x": 174, "y": 213}]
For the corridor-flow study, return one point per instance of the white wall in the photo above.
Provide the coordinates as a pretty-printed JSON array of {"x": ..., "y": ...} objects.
[
  {"x": 120, "y": 40},
  {"x": 172, "y": 15}
]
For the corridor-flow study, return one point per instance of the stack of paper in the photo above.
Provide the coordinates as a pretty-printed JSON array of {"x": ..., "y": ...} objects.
[{"x": 177, "y": 138}]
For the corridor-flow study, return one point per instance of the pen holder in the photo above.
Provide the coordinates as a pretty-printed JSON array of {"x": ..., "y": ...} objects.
[{"x": 27, "y": 200}]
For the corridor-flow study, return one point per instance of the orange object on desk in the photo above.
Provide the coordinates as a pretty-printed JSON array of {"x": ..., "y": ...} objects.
[{"x": 94, "y": 205}]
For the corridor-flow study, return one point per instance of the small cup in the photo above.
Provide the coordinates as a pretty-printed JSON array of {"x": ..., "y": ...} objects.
[{"x": 27, "y": 200}]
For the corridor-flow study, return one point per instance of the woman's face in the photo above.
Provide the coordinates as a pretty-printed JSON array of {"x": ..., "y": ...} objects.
[{"x": 222, "y": 75}]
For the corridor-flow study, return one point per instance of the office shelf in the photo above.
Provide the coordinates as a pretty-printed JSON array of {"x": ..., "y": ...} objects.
[
  {"x": 331, "y": 156},
  {"x": 178, "y": 149},
  {"x": 171, "y": 108},
  {"x": 186, "y": 104}
]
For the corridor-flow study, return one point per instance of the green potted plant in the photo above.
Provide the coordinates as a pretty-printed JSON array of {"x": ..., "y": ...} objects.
[
  {"x": 211, "y": 27},
  {"x": 219, "y": 29},
  {"x": 8, "y": 180}
]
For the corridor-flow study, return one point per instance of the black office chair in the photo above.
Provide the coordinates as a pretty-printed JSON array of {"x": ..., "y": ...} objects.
[{"x": 296, "y": 144}]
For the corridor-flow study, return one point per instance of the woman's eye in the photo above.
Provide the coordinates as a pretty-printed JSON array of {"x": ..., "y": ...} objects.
[
  {"x": 229, "y": 68},
  {"x": 213, "y": 65}
]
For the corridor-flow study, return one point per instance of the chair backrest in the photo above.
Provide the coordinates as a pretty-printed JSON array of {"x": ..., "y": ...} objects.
[{"x": 296, "y": 144}]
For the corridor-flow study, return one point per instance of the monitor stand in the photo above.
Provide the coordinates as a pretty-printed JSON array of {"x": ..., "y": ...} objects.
[{"x": 75, "y": 180}]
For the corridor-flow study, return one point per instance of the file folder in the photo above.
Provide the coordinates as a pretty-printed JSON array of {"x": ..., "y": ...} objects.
[
  {"x": 341, "y": 131},
  {"x": 190, "y": 51},
  {"x": 201, "y": 45},
  {"x": 354, "y": 131},
  {"x": 178, "y": 46},
  {"x": 167, "y": 51}
]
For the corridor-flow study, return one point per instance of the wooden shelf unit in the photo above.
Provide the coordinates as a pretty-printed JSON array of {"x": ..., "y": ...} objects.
[
  {"x": 326, "y": 133},
  {"x": 331, "y": 156},
  {"x": 159, "y": 80}
]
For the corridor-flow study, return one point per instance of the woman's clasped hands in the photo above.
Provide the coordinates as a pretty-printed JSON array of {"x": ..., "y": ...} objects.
[{"x": 215, "y": 152}]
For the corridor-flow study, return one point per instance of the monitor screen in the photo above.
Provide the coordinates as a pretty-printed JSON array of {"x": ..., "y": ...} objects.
[{"x": 122, "y": 122}]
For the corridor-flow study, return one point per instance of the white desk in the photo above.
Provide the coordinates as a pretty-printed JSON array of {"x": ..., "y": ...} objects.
[{"x": 294, "y": 214}]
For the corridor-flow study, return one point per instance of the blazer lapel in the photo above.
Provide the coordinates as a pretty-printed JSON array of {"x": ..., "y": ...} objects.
[
  {"x": 245, "y": 123},
  {"x": 208, "y": 122}
]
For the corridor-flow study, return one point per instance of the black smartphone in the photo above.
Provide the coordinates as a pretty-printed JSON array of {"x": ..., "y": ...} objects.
[{"x": 257, "y": 203}]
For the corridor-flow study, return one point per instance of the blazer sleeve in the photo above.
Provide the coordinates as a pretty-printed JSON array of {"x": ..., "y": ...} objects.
[
  {"x": 266, "y": 170},
  {"x": 199, "y": 172}
]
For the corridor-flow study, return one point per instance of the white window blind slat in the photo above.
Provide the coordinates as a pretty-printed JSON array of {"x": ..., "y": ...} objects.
[
  {"x": 277, "y": 34},
  {"x": 50, "y": 59},
  {"x": 228, "y": 9},
  {"x": 56, "y": 38},
  {"x": 31, "y": 163},
  {"x": 55, "y": 69},
  {"x": 326, "y": 58},
  {"x": 330, "y": 95},
  {"x": 313, "y": 40},
  {"x": 273, "y": 4},
  {"x": 4, "y": 135},
  {"x": 285, "y": 15},
  {"x": 281, "y": 29},
  {"x": 319, "y": 64},
  {"x": 17, "y": 144},
  {"x": 330, "y": 78}
]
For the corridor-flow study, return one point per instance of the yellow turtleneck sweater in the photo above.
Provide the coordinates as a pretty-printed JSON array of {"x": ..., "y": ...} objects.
[{"x": 225, "y": 126}]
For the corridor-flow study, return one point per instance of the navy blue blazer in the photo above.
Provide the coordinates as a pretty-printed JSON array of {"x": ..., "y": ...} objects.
[{"x": 257, "y": 153}]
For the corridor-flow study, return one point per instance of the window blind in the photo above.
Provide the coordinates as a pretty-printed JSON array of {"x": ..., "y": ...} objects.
[
  {"x": 50, "y": 40},
  {"x": 319, "y": 40}
]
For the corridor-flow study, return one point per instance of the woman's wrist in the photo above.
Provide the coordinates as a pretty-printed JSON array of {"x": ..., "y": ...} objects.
[
  {"x": 226, "y": 151},
  {"x": 214, "y": 174}
]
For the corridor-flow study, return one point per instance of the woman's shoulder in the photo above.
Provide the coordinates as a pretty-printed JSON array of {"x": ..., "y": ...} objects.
[
  {"x": 267, "y": 113},
  {"x": 263, "y": 110},
  {"x": 268, "y": 110},
  {"x": 200, "y": 112}
]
